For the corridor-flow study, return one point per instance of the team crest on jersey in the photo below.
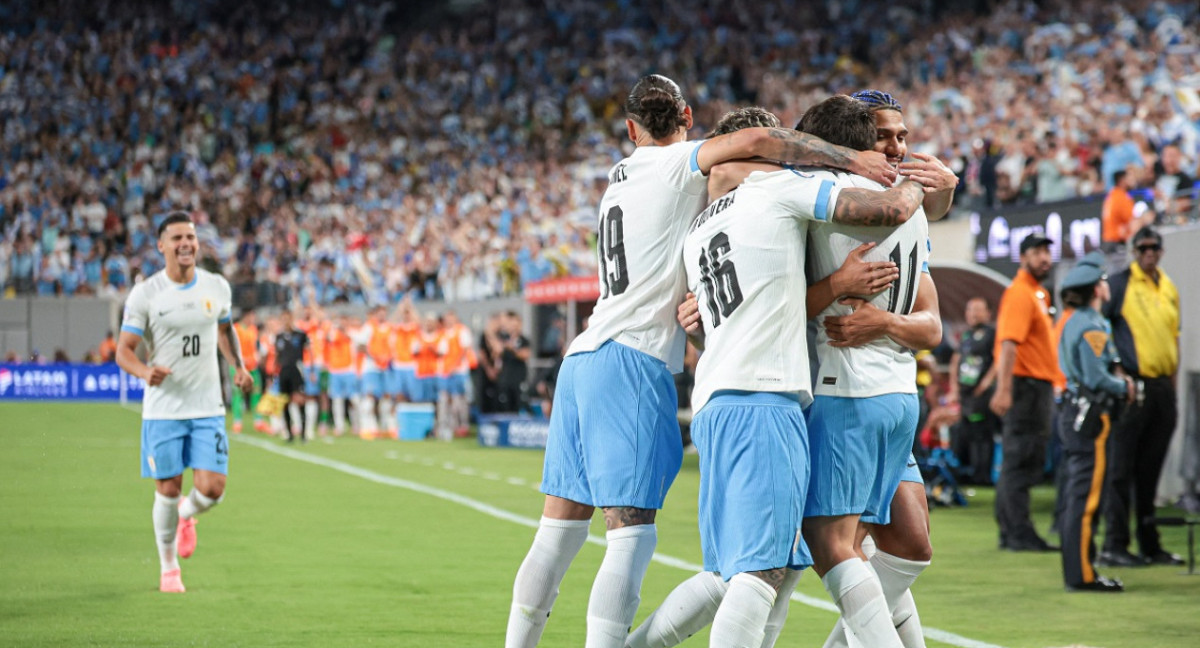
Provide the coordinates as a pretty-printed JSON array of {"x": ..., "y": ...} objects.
[{"x": 208, "y": 308}]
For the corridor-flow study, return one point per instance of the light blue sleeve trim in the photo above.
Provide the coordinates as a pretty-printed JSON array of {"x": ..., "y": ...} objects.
[
  {"x": 191, "y": 283},
  {"x": 225, "y": 320},
  {"x": 132, "y": 329},
  {"x": 695, "y": 159},
  {"x": 925, "y": 267},
  {"x": 821, "y": 209}
]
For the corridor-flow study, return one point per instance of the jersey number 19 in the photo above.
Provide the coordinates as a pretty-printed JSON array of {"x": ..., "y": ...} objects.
[{"x": 611, "y": 246}]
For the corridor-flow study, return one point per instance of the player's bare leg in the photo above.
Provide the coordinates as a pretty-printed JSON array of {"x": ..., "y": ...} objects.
[
  {"x": 850, "y": 583},
  {"x": 616, "y": 592},
  {"x": 207, "y": 490}
]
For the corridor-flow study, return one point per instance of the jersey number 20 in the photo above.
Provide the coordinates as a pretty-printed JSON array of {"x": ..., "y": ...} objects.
[
  {"x": 721, "y": 289},
  {"x": 614, "y": 271},
  {"x": 191, "y": 346}
]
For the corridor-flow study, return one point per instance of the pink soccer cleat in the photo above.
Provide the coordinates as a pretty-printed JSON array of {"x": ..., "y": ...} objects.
[
  {"x": 171, "y": 582},
  {"x": 185, "y": 535}
]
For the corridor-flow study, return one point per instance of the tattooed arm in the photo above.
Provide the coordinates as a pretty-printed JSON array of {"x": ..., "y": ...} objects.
[
  {"x": 792, "y": 147},
  {"x": 872, "y": 208}
]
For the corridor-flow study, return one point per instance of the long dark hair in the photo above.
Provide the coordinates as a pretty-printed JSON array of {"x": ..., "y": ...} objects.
[{"x": 657, "y": 105}]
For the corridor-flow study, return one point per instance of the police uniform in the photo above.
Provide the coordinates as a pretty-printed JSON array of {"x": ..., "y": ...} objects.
[{"x": 1087, "y": 356}]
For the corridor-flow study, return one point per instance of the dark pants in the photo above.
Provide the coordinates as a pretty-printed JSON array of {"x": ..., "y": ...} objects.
[
  {"x": 1138, "y": 447},
  {"x": 1026, "y": 431},
  {"x": 1084, "y": 461},
  {"x": 974, "y": 438}
]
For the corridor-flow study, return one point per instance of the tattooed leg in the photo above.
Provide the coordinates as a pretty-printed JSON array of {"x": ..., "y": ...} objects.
[{"x": 618, "y": 517}]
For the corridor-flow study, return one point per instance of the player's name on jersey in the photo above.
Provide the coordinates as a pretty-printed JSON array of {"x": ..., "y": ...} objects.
[
  {"x": 618, "y": 174},
  {"x": 722, "y": 203}
]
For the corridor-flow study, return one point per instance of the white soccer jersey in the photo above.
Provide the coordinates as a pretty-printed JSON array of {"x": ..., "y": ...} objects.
[
  {"x": 644, "y": 215},
  {"x": 745, "y": 263},
  {"x": 179, "y": 324},
  {"x": 881, "y": 366}
]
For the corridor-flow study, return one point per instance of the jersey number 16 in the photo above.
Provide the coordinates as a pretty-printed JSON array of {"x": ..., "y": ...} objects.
[{"x": 722, "y": 293}]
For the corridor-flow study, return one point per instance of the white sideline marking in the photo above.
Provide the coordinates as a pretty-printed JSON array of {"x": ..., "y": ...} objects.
[{"x": 487, "y": 509}]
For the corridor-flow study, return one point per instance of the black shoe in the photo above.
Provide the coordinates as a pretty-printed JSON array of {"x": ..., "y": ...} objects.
[
  {"x": 1120, "y": 558},
  {"x": 1162, "y": 557},
  {"x": 1036, "y": 544},
  {"x": 1101, "y": 584}
]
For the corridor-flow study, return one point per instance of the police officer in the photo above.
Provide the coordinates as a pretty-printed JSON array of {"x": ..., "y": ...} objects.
[{"x": 1088, "y": 359}]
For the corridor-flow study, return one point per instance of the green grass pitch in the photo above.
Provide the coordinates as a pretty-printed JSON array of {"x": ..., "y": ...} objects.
[{"x": 363, "y": 549}]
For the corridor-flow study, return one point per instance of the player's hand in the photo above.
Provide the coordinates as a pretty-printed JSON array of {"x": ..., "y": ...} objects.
[
  {"x": 1130, "y": 390},
  {"x": 873, "y": 165},
  {"x": 1001, "y": 403},
  {"x": 952, "y": 396},
  {"x": 688, "y": 315},
  {"x": 864, "y": 324},
  {"x": 930, "y": 172},
  {"x": 243, "y": 380},
  {"x": 156, "y": 375},
  {"x": 859, "y": 277}
]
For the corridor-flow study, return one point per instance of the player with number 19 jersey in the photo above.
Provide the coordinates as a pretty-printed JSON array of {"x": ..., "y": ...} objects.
[
  {"x": 614, "y": 438},
  {"x": 644, "y": 214},
  {"x": 881, "y": 366},
  {"x": 179, "y": 325}
]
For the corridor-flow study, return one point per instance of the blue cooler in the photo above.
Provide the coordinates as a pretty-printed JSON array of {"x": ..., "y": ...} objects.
[{"x": 415, "y": 420}]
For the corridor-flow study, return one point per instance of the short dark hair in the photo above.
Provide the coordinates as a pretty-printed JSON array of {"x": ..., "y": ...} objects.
[
  {"x": 841, "y": 120},
  {"x": 172, "y": 218},
  {"x": 1118, "y": 176},
  {"x": 748, "y": 117},
  {"x": 1146, "y": 233},
  {"x": 657, "y": 104},
  {"x": 1078, "y": 296}
]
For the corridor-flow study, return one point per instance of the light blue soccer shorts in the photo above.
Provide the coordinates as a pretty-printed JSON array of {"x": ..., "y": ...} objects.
[
  {"x": 424, "y": 389},
  {"x": 343, "y": 384},
  {"x": 614, "y": 434},
  {"x": 373, "y": 382},
  {"x": 312, "y": 381},
  {"x": 399, "y": 381},
  {"x": 455, "y": 384},
  {"x": 859, "y": 447},
  {"x": 170, "y": 446},
  {"x": 912, "y": 473},
  {"x": 753, "y": 480}
]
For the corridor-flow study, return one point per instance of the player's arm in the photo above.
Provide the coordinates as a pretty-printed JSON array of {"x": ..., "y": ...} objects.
[
  {"x": 920, "y": 329},
  {"x": 1002, "y": 398},
  {"x": 231, "y": 348},
  {"x": 937, "y": 178},
  {"x": 855, "y": 277},
  {"x": 127, "y": 359},
  {"x": 952, "y": 394},
  {"x": 726, "y": 176},
  {"x": 792, "y": 147},
  {"x": 871, "y": 208}
]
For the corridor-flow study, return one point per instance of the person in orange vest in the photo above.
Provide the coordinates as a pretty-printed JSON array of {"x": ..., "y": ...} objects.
[
  {"x": 458, "y": 358},
  {"x": 375, "y": 340},
  {"x": 108, "y": 349},
  {"x": 247, "y": 334},
  {"x": 343, "y": 375},
  {"x": 314, "y": 325},
  {"x": 425, "y": 349},
  {"x": 403, "y": 376}
]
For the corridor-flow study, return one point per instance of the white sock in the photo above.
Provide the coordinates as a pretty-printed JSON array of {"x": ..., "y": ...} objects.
[
  {"x": 387, "y": 421},
  {"x": 462, "y": 415},
  {"x": 339, "y": 415},
  {"x": 779, "y": 611},
  {"x": 864, "y": 609},
  {"x": 896, "y": 576},
  {"x": 297, "y": 426},
  {"x": 165, "y": 514},
  {"x": 837, "y": 637},
  {"x": 311, "y": 410},
  {"x": 196, "y": 503},
  {"x": 742, "y": 618},
  {"x": 536, "y": 586},
  {"x": 368, "y": 410},
  {"x": 617, "y": 589},
  {"x": 868, "y": 546},
  {"x": 687, "y": 609}
]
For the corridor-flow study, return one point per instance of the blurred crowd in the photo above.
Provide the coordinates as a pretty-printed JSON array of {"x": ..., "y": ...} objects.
[{"x": 364, "y": 152}]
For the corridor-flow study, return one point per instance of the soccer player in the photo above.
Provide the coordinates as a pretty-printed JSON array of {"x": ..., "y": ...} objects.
[
  {"x": 182, "y": 313},
  {"x": 343, "y": 375},
  {"x": 614, "y": 440},
  {"x": 314, "y": 326},
  {"x": 247, "y": 333},
  {"x": 403, "y": 375},
  {"x": 376, "y": 337},
  {"x": 458, "y": 355},
  {"x": 426, "y": 351}
]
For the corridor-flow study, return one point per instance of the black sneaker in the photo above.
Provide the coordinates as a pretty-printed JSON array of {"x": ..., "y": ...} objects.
[
  {"x": 1162, "y": 557},
  {"x": 1120, "y": 558},
  {"x": 1101, "y": 584}
]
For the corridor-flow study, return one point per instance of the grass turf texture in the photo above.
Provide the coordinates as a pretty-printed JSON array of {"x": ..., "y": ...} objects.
[{"x": 304, "y": 555}]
